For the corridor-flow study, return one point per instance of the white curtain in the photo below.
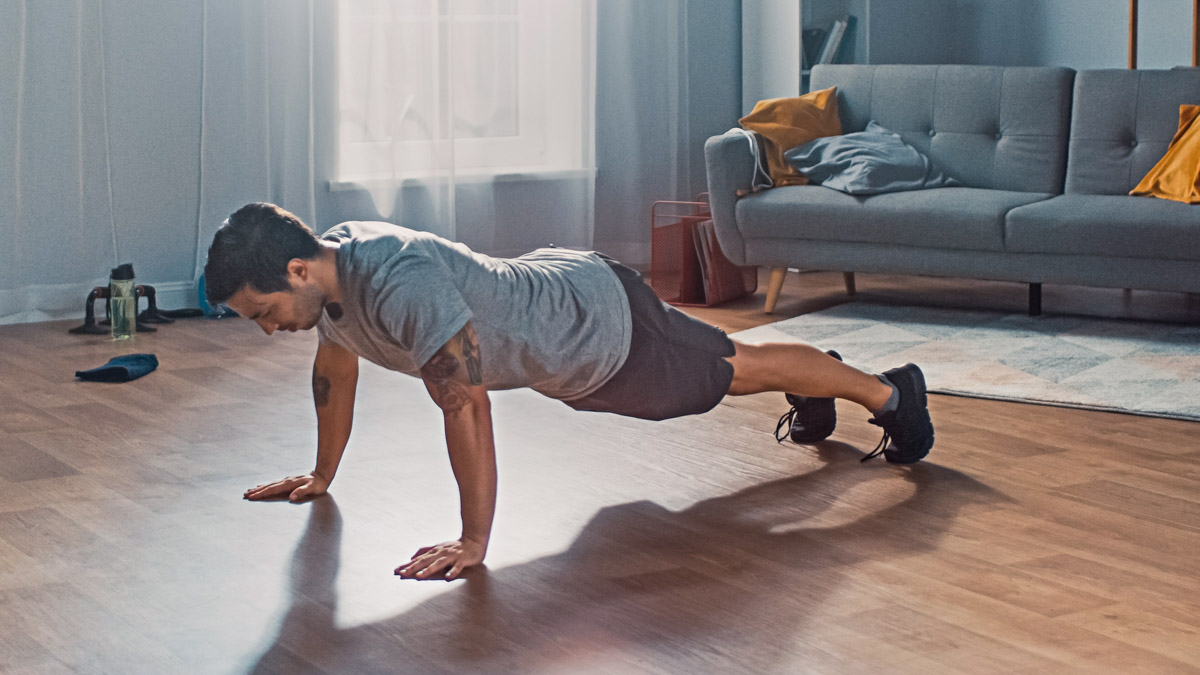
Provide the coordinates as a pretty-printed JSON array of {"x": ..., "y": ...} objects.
[
  {"x": 257, "y": 125},
  {"x": 458, "y": 115},
  {"x": 129, "y": 130},
  {"x": 56, "y": 207},
  {"x": 647, "y": 147}
]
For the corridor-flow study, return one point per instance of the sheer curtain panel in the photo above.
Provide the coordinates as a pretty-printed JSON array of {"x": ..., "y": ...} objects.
[
  {"x": 443, "y": 106},
  {"x": 56, "y": 203}
]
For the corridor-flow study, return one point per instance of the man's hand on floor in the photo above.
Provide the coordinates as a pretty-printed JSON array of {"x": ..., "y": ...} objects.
[
  {"x": 297, "y": 488},
  {"x": 451, "y": 557}
]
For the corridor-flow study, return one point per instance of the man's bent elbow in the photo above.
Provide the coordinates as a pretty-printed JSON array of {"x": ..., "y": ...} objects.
[{"x": 456, "y": 398}]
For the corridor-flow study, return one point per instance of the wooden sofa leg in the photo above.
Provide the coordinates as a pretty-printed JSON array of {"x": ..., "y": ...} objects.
[
  {"x": 849, "y": 277},
  {"x": 1035, "y": 299},
  {"x": 773, "y": 287}
]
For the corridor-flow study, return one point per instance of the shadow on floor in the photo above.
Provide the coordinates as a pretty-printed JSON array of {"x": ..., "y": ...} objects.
[{"x": 726, "y": 584}]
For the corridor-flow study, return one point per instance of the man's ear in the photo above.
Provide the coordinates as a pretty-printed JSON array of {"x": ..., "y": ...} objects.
[{"x": 298, "y": 267}]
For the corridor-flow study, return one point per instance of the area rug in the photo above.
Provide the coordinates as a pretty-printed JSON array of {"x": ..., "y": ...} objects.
[{"x": 1136, "y": 367}]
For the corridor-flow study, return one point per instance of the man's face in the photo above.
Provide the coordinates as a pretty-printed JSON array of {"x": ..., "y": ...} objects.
[{"x": 297, "y": 309}]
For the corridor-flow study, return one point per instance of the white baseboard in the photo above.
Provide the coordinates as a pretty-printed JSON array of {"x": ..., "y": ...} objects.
[
  {"x": 176, "y": 295},
  {"x": 31, "y": 304}
]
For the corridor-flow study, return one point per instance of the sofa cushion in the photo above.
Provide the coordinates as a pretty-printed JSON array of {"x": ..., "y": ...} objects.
[
  {"x": 1121, "y": 125},
  {"x": 1103, "y": 225},
  {"x": 956, "y": 217},
  {"x": 989, "y": 127}
]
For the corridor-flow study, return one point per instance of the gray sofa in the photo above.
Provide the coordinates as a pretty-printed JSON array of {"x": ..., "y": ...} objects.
[{"x": 1047, "y": 157}]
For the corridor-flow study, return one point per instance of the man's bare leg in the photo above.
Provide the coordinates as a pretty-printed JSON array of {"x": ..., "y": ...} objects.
[{"x": 798, "y": 368}]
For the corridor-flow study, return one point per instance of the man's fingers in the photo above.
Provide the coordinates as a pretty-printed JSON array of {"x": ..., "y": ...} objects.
[
  {"x": 261, "y": 488},
  {"x": 410, "y": 567},
  {"x": 433, "y": 568},
  {"x": 271, "y": 489},
  {"x": 263, "y": 492},
  {"x": 424, "y": 566},
  {"x": 415, "y": 567},
  {"x": 259, "y": 493}
]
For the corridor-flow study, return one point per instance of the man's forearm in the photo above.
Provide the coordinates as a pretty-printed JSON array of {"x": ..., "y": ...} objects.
[
  {"x": 473, "y": 459},
  {"x": 334, "y": 399}
]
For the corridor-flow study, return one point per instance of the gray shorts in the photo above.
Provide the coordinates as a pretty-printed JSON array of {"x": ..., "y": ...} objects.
[{"x": 676, "y": 364}]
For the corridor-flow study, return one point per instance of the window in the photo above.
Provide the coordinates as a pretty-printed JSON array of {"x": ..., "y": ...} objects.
[{"x": 470, "y": 86}]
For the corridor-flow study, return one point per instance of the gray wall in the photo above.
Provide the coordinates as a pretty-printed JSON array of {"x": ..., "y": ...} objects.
[
  {"x": 1078, "y": 34},
  {"x": 904, "y": 31},
  {"x": 1165, "y": 35}
]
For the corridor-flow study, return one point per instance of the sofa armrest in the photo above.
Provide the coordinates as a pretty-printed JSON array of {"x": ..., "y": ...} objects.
[{"x": 730, "y": 166}]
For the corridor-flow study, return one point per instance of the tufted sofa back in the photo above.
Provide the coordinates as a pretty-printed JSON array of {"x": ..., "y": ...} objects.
[
  {"x": 988, "y": 126},
  {"x": 1122, "y": 124}
]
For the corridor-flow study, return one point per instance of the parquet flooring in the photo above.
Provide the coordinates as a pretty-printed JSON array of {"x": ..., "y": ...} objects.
[{"x": 1034, "y": 539}]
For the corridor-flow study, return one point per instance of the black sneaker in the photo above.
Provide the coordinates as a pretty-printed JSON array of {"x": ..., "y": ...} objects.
[
  {"x": 811, "y": 419},
  {"x": 908, "y": 427}
]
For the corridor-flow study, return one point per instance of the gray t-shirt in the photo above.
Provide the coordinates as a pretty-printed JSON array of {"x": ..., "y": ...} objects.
[{"x": 555, "y": 320}]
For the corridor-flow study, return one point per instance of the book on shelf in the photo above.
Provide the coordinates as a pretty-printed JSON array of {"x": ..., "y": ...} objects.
[
  {"x": 703, "y": 254},
  {"x": 833, "y": 40},
  {"x": 811, "y": 40}
]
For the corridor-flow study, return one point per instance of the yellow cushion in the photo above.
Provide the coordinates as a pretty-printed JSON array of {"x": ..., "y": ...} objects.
[
  {"x": 787, "y": 122},
  {"x": 1177, "y": 174}
]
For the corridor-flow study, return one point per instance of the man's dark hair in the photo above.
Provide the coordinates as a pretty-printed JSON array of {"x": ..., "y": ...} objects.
[{"x": 254, "y": 246}]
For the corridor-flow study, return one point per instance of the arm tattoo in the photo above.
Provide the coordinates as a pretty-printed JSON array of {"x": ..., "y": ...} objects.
[
  {"x": 320, "y": 385},
  {"x": 470, "y": 350},
  {"x": 450, "y": 395},
  {"x": 441, "y": 366},
  {"x": 444, "y": 373},
  {"x": 439, "y": 374}
]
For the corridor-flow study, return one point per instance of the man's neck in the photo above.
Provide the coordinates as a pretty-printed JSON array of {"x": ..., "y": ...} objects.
[{"x": 326, "y": 271}]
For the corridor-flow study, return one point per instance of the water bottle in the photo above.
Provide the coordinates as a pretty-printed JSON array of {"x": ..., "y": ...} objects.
[{"x": 122, "y": 302}]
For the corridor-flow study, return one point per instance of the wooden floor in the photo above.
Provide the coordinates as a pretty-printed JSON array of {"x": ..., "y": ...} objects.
[{"x": 1033, "y": 540}]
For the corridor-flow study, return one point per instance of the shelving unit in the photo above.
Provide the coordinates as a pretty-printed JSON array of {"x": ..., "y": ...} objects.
[
  {"x": 818, "y": 17},
  {"x": 773, "y": 38}
]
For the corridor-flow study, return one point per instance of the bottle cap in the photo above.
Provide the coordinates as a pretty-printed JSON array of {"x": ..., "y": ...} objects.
[{"x": 122, "y": 273}]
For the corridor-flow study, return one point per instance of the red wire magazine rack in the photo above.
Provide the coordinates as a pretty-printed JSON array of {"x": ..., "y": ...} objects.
[{"x": 686, "y": 264}]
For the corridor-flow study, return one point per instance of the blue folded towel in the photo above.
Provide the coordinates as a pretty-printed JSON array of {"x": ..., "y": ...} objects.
[{"x": 121, "y": 368}]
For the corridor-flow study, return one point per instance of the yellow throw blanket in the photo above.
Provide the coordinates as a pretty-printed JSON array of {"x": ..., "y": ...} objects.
[
  {"x": 785, "y": 123},
  {"x": 1177, "y": 174}
]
